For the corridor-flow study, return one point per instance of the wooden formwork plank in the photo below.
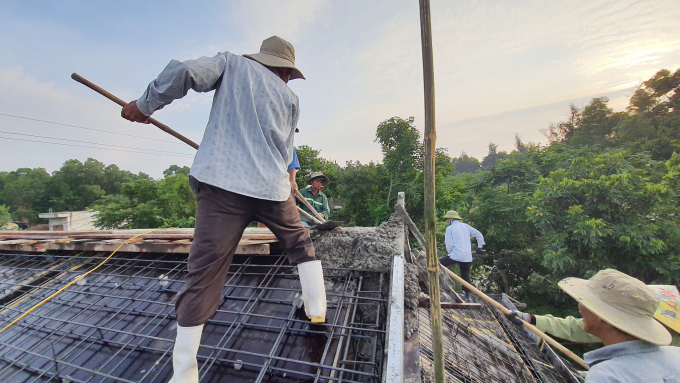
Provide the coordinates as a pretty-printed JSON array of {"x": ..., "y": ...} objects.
[{"x": 146, "y": 247}]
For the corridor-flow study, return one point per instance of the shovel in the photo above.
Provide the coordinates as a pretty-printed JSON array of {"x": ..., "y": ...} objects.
[
  {"x": 318, "y": 225},
  {"x": 318, "y": 220}
]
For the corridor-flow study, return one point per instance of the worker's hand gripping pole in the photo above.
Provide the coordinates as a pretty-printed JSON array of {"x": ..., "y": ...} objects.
[
  {"x": 120, "y": 102},
  {"x": 531, "y": 328}
]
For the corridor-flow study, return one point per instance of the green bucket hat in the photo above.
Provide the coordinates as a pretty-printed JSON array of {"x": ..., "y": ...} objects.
[
  {"x": 324, "y": 180},
  {"x": 452, "y": 214}
]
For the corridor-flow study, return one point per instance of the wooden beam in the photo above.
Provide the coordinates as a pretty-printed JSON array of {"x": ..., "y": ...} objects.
[
  {"x": 146, "y": 247},
  {"x": 412, "y": 226},
  {"x": 452, "y": 305},
  {"x": 25, "y": 248},
  {"x": 169, "y": 237}
]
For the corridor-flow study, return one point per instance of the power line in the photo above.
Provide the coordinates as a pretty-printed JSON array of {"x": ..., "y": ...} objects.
[
  {"x": 93, "y": 143},
  {"x": 93, "y": 147},
  {"x": 96, "y": 130}
]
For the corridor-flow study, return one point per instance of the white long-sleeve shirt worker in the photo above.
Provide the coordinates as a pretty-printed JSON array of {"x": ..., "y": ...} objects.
[
  {"x": 458, "y": 241},
  {"x": 248, "y": 142}
]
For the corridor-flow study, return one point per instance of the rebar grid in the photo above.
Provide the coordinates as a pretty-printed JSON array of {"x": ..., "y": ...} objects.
[
  {"x": 118, "y": 324},
  {"x": 481, "y": 347}
]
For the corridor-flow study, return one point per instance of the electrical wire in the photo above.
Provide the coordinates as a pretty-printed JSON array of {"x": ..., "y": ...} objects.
[
  {"x": 91, "y": 143},
  {"x": 94, "y": 147},
  {"x": 82, "y": 127},
  {"x": 77, "y": 279}
]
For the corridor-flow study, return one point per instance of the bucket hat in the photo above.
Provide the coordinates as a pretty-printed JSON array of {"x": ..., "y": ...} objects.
[
  {"x": 452, "y": 214},
  {"x": 279, "y": 53},
  {"x": 668, "y": 311},
  {"x": 324, "y": 182},
  {"x": 622, "y": 301}
]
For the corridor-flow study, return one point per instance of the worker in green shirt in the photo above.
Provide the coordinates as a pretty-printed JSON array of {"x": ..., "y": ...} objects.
[
  {"x": 313, "y": 194},
  {"x": 571, "y": 329}
]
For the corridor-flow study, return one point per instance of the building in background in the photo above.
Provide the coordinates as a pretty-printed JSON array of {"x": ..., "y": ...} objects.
[{"x": 71, "y": 220}]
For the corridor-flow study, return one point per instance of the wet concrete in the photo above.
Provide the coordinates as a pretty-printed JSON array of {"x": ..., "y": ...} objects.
[
  {"x": 360, "y": 248},
  {"x": 368, "y": 249}
]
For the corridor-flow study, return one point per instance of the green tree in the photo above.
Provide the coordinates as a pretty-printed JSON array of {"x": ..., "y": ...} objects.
[
  {"x": 659, "y": 96},
  {"x": 23, "y": 188},
  {"x": 466, "y": 164},
  {"x": 363, "y": 190},
  {"x": 492, "y": 156},
  {"x": 597, "y": 122},
  {"x": 5, "y": 216},
  {"x": 612, "y": 211},
  {"x": 76, "y": 185},
  {"x": 148, "y": 204},
  {"x": 174, "y": 170},
  {"x": 401, "y": 147}
]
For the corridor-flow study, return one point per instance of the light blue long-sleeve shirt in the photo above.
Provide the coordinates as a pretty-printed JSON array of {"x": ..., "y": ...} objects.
[
  {"x": 248, "y": 142},
  {"x": 458, "y": 241},
  {"x": 634, "y": 361}
]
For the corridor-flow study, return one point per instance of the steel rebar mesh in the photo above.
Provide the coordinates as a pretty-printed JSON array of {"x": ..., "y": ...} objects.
[
  {"x": 117, "y": 324},
  {"x": 482, "y": 347}
]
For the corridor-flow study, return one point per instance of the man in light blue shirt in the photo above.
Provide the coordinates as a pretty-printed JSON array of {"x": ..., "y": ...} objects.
[{"x": 459, "y": 247}]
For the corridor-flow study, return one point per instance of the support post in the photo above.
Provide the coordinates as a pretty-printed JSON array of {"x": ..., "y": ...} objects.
[{"x": 430, "y": 142}]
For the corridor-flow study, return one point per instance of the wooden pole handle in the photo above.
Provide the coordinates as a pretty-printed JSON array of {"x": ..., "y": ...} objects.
[
  {"x": 308, "y": 216},
  {"x": 120, "y": 102},
  {"x": 309, "y": 206},
  {"x": 531, "y": 327}
]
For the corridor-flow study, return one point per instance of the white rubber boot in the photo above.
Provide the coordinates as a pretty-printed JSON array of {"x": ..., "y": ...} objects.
[
  {"x": 184, "y": 364},
  {"x": 313, "y": 290}
]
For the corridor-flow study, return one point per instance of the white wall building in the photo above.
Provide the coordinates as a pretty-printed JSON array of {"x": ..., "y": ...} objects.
[{"x": 71, "y": 220}]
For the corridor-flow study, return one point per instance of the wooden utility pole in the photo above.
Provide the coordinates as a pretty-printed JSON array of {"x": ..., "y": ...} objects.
[{"x": 430, "y": 141}]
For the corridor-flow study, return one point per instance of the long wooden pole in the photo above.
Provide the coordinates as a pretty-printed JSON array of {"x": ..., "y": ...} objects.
[
  {"x": 531, "y": 327},
  {"x": 430, "y": 141},
  {"x": 120, "y": 102}
]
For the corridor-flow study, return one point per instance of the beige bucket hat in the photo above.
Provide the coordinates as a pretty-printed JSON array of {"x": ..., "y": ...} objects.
[
  {"x": 279, "y": 53},
  {"x": 317, "y": 175},
  {"x": 452, "y": 214},
  {"x": 622, "y": 301}
]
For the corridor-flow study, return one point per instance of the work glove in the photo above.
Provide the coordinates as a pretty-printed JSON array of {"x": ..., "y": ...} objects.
[
  {"x": 517, "y": 317},
  {"x": 480, "y": 251}
]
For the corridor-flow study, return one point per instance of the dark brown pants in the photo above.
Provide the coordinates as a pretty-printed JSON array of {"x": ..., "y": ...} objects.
[
  {"x": 221, "y": 218},
  {"x": 464, "y": 269}
]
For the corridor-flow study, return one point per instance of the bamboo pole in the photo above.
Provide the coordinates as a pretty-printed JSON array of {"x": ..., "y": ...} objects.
[
  {"x": 531, "y": 328},
  {"x": 430, "y": 141}
]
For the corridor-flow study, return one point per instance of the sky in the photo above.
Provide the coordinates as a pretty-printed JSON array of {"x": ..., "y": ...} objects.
[{"x": 501, "y": 68}]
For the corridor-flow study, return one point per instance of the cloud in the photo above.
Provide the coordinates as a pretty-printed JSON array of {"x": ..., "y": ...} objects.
[{"x": 291, "y": 20}]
